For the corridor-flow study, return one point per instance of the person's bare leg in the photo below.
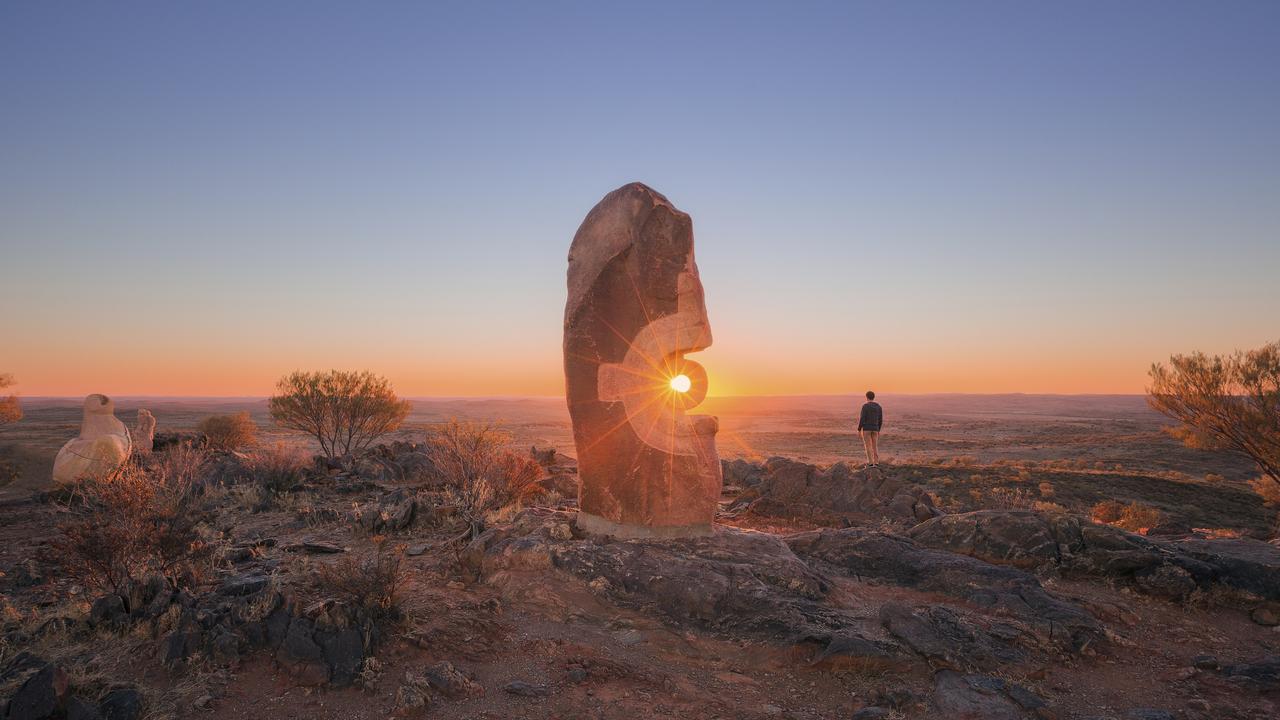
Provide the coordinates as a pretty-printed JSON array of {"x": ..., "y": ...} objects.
[
  {"x": 873, "y": 447},
  {"x": 867, "y": 439}
]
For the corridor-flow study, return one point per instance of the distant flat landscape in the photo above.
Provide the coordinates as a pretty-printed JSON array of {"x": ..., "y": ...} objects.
[{"x": 1093, "y": 431}]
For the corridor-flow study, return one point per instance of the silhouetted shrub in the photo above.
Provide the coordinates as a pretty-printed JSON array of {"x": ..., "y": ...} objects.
[{"x": 229, "y": 432}]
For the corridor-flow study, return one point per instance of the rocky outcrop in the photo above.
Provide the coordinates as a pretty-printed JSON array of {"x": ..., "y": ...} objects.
[
  {"x": 979, "y": 696},
  {"x": 560, "y": 469},
  {"x": 1173, "y": 569},
  {"x": 891, "y": 559},
  {"x": 785, "y": 487},
  {"x": 780, "y": 589},
  {"x": 731, "y": 580}
]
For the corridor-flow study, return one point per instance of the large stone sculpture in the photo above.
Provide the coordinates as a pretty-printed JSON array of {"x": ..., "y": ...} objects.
[
  {"x": 102, "y": 447},
  {"x": 635, "y": 309},
  {"x": 144, "y": 432}
]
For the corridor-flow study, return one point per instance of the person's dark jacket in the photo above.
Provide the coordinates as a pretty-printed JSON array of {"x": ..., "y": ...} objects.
[{"x": 871, "y": 418}]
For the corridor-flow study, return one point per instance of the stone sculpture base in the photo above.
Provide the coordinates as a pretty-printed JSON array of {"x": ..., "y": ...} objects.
[{"x": 596, "y": 525}]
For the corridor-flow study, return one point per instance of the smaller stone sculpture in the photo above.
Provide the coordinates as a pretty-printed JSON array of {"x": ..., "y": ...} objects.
[
  {"x": 102, "y": 447},
  {"x": 144, "y": 432}
]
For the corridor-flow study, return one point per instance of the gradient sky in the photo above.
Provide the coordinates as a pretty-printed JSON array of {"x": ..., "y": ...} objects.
[{"x": 196, "y": 198}]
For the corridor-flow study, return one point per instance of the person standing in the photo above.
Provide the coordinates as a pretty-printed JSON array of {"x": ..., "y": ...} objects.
[{"x": 869, "y": 422}]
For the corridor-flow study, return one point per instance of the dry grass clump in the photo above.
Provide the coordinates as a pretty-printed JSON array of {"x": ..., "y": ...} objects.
[
  {"x": 229, "y": 432},
  {"x": 373, "y": 584},
  {"x": 480, "y": 470},
  {"x": 276, "y": 469},
  {"x": 1134, "y": 516},
  {"x": 136, "y": 523}
]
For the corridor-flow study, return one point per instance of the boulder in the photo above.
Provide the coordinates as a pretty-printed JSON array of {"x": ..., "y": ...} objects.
[
  {"x": 45, "y": 694},
  {"x": 121, "y": 704},
  {"x": 981, "y": 697}
]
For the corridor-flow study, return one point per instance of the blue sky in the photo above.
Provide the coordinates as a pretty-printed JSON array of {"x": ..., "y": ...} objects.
[{"x": 981, "y": 196}]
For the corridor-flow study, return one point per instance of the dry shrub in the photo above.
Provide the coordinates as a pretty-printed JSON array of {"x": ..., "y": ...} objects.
[
  {"x": 277, "y": 468},
  {"x": 1006, "y": 498},
  {"x": 480, "y": 471},
  {"x": 229, "y": 432},
  {"x": 1046, "y": 489},
  {"x": 136, "y": 523},
  {"x": 1134, "y": 516},
  {"x": 373, "y": 584}
]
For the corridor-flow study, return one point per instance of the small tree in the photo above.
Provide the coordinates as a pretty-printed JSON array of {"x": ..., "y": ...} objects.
[
  {"x": 10, "y": 410},
  {"x": 1229, "y": 402},
  {"x": 344, "y": 411},
  {"x": 229, "y": 432}
]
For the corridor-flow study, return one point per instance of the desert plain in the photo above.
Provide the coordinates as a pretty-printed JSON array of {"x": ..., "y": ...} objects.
[{"x": 530, "y": 621}]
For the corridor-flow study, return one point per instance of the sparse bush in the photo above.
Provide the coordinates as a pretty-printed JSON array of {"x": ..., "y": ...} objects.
[
  {"x": 344, "y": 411},
  {"x": 373, "y": 584},
  {"x": 1046, "y": 489},
  {"x": 229, "y": 432},
  {"x": 1134, "y": 517},
  {"x": 481, "y": 472},
  {"x": 135, "y": 523},
  {"x": 1227, "y": 402}
]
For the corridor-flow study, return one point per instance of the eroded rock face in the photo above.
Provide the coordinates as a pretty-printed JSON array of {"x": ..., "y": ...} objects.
[
  {"x": 792, "y": 591},
  {"x": 635, "y": 309},
  {"x": 102, "y": 447},
  {"x": 886, "y": 558},
  {"x": 1030, "y": 539}
]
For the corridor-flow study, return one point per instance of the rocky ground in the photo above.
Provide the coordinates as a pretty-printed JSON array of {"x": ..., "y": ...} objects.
[{"x": 825, "y": 592}]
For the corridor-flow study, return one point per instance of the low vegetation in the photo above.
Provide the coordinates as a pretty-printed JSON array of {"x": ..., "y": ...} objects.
[
  {"x": 481, "y": 472},
  {"x": 372, "y": 584},
  {"x": 1134, "y": 516},
  {"x": 344, "y": 411},
  {"x": 138, "y": 522},
  {"x": 229, "y": 432}
]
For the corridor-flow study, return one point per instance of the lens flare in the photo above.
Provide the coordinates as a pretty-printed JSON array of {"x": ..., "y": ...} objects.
[{"x": 681, "y": 383}]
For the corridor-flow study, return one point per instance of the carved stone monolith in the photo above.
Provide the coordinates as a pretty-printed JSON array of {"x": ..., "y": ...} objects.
[
  {"x": 102, "y": 447},
  {"x": 635, "y": 309}
]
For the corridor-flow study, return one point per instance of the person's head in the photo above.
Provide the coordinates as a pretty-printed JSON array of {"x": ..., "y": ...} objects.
[{"x": 871, "y": 395}]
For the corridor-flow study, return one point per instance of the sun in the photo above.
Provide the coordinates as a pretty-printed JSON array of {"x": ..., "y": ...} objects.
[{"x": 681, "y": 383}]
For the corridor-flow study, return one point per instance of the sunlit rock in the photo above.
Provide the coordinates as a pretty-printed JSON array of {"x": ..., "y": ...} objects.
[
  {"x": 102, "y": 447},
  {"x": 635, "y": 309}
]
